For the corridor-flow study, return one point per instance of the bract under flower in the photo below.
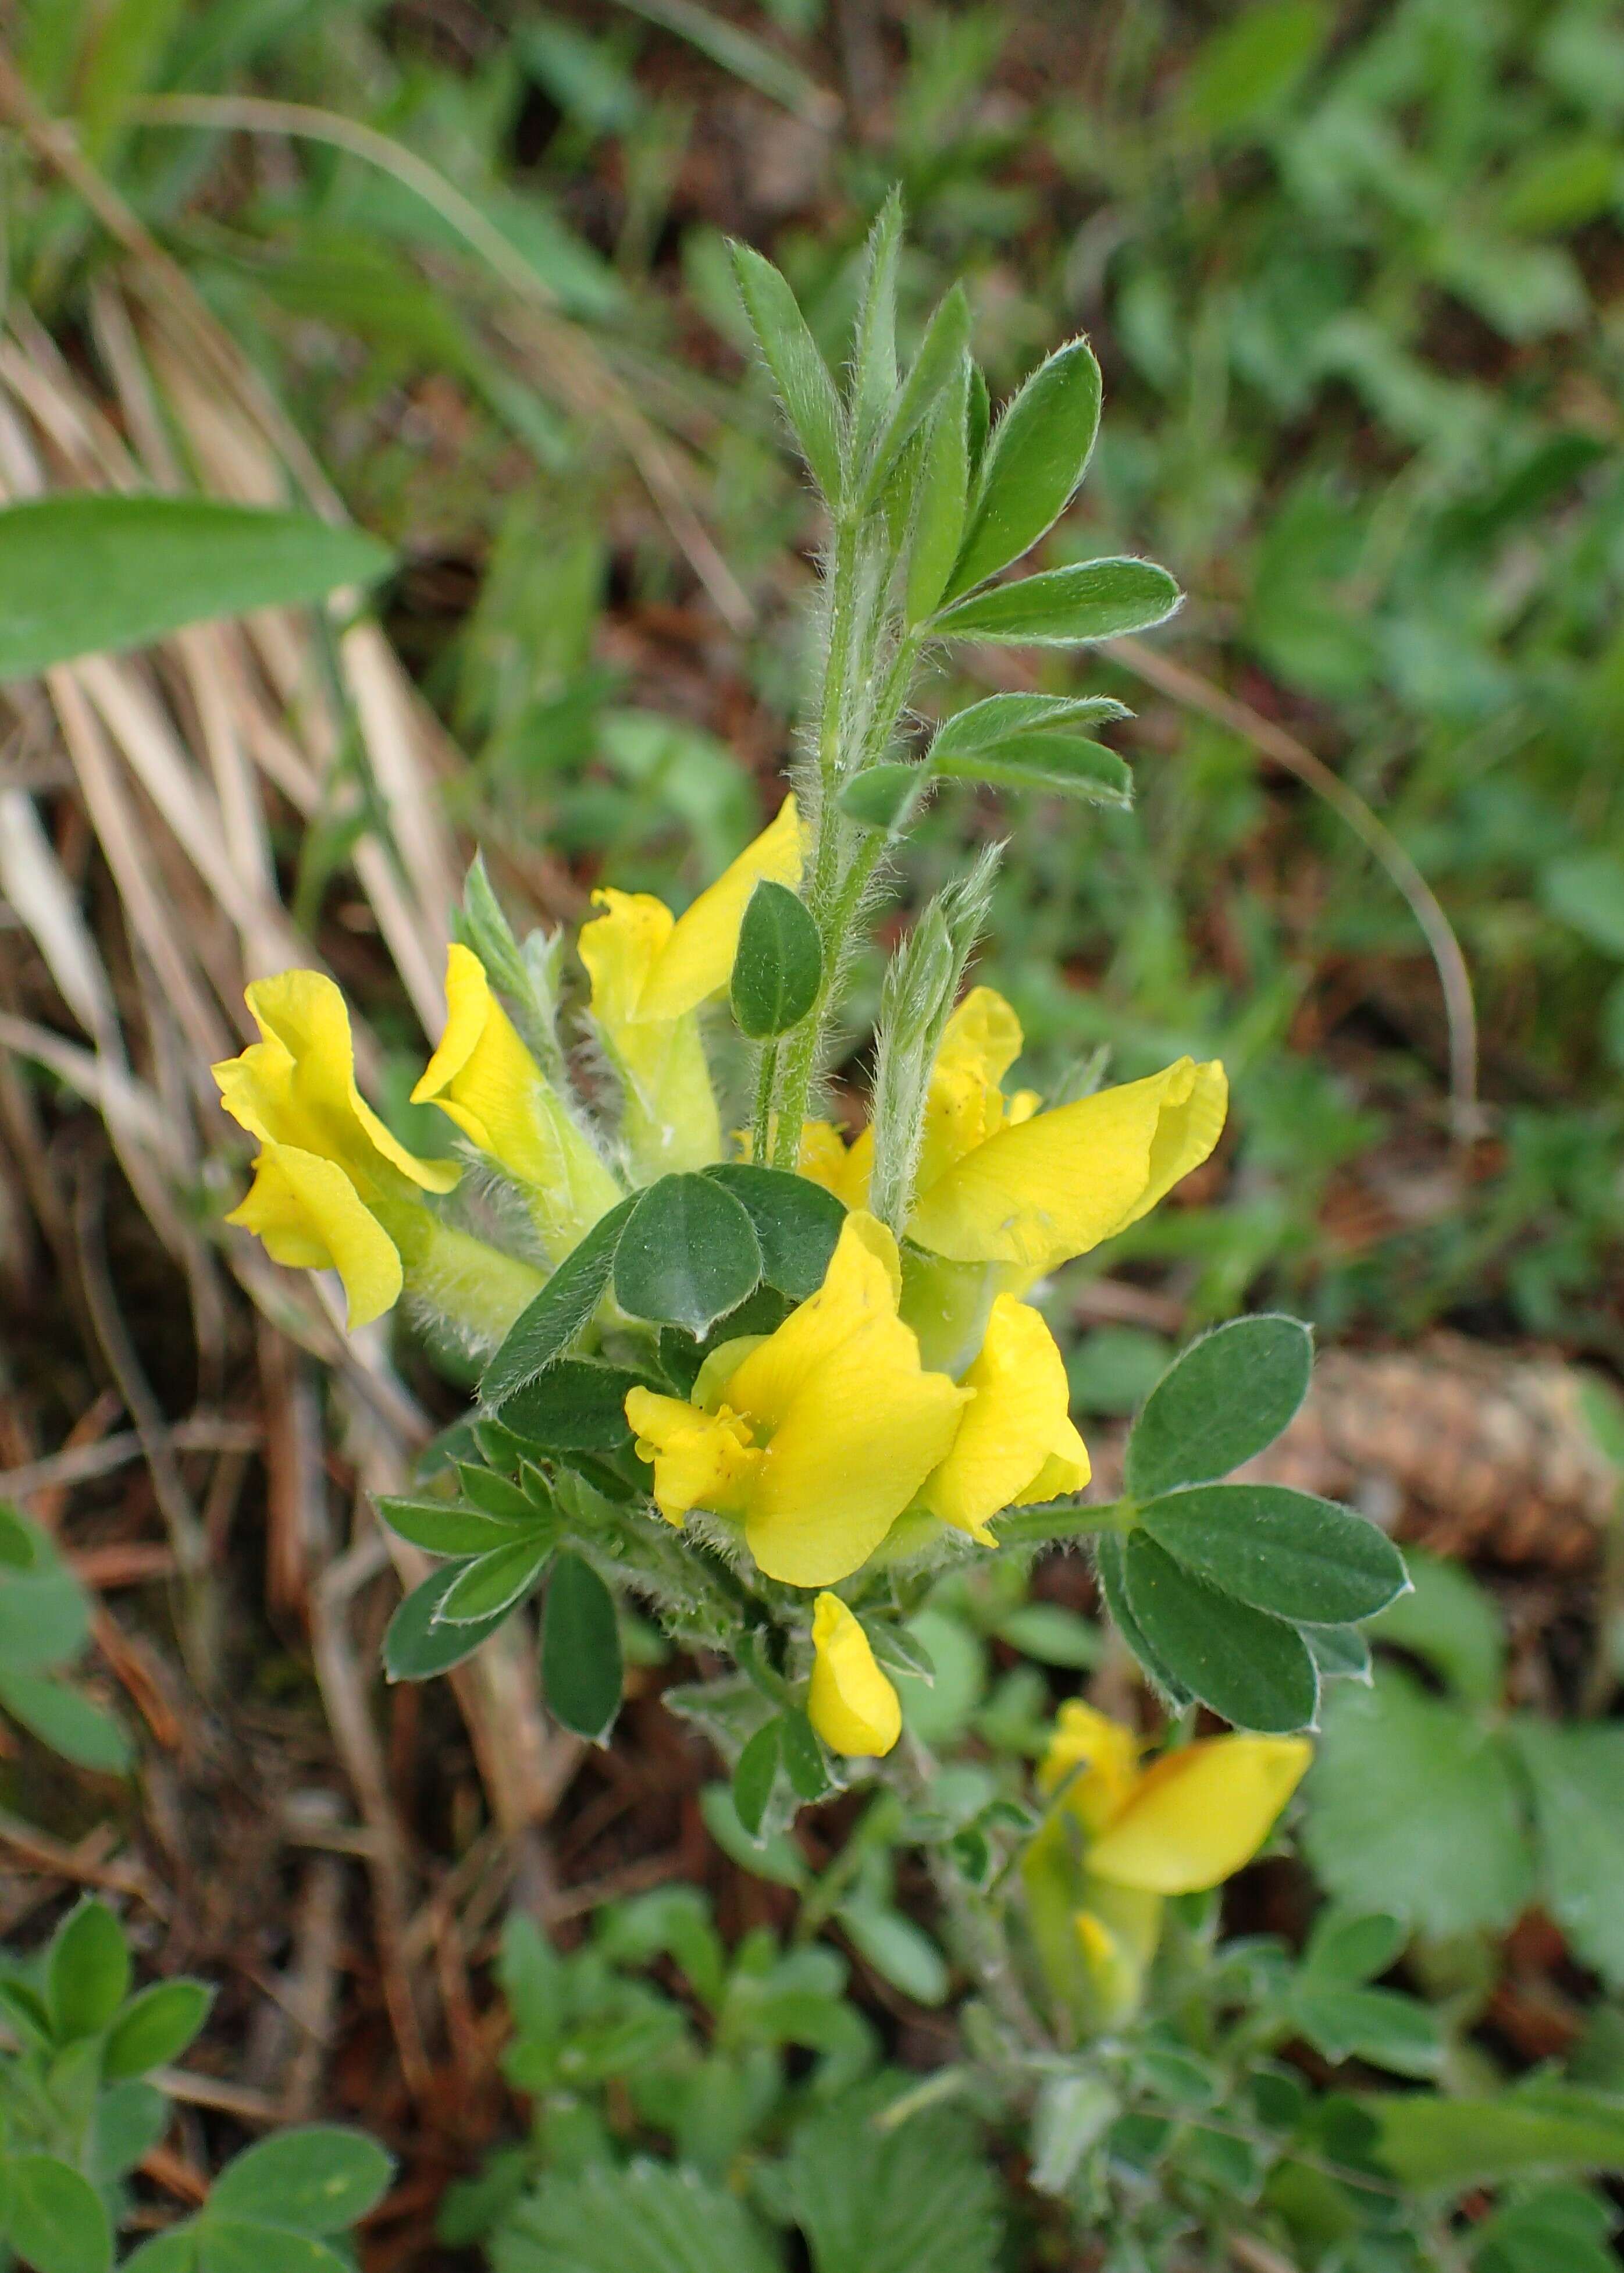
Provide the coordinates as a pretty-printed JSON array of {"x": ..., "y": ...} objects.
[{"x": 821, "y": 1434}]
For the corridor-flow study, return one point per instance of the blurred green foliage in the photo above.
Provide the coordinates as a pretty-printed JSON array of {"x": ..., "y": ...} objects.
[{"x": 1354, "y": 275}]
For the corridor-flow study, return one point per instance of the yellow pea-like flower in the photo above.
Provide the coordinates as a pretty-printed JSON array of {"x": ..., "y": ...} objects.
[
  {"x": 485, "y": 1080},
  {"x": 333, "y": 1189},
  {"x": 650, "y": 971},
  {"x": 1001, "y": 1182},
  {"x": 850, "y": 1702},
  {"x": 1016, "y": 1443},
  {"x": 1190, "y": 1820},
  {"x": 816, "y": 1437}
]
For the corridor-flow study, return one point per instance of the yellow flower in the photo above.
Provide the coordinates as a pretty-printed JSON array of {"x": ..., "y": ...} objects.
[
  {"x": 1016, "y": 1443},
  {"x": 816, "y": 1437},
  {"x": 333, "y": 1188},
  {"x": 1000, "y": 1182},
  {"x": 484, "y": 1078},
  {"x": 650, "y": 971},
  {"x": 1191, "y": 1819},
  {"x": 850, "y": 1702}
]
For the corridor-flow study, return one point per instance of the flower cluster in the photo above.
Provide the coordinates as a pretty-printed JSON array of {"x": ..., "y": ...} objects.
[{"x": 915, "y": 1390}]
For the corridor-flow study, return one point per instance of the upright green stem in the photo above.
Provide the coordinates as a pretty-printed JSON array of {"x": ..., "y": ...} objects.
[{"x": 766, "y": 1076}]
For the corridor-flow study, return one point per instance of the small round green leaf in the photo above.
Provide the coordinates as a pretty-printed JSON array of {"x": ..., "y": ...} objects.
[
  {"x": 317, "y": 2179},
  {"x": 249, "y": 2244},
  {"x": 1253, "y": 1669},
  {"x": 155, "y": 2028},
  {"x": 689, "y": 1254},
  {"x": 1221, "y": 1401},
  {"x": 88, "y": 1977},
  {"x": 58, "y": 2223},
  {"x": 778, "y": 966},
  {"x": 1281, "y": 1550},
  {"x": 580, "y": 1650},
  {"x": 419, "y": 1643},
  {"x": 1066, "y": 607}
]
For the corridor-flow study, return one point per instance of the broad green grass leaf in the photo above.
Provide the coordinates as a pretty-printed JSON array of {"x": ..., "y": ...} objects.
[
  {"x": 778, "y": 967},
  {"x": 688, "y": 1255},
  {"x": 1222, "y": 1401},
  {"x": 1038, "y": 455},
  {"x": 1066, "y": 607},
  {"x": 580, "y": 1650},
  {"x": 1577, "y": 1777},
  {"x": 546, "y": 1327},
  {"x": 644, "y": 2219},
  {"x": 1280, "y": 1551},
  {"x": 83, "y": 575},
  {"x": 1412, "y": 1806},
  {"x": 314, "y": 2179},
  {"x": 1252, "y": 1669}
]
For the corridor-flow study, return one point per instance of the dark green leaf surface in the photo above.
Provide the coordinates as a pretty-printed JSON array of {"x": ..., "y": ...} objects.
[
  {"x": 1253, "y": 1669},
  {"x": 577, "y": 1406},
  {"x": 443, "y": 1527},
  {"x": 778, "y": 967},
  {"x": 644, "y": 2219},
  {"x": 980, "y": 727},
  {"x": 1068, "y": 765},
  {"x": 1445, "y": 2145},
  {"x": 492, "y": 1584},
  {"x": 916, "y": 2198},
  {"x": 945, "y": 472},
  {"x": 580, "y": 1650},
  {"x": 1223, "y": 1400},
  {"x": 83, "y": 574},
  {"x": 419, "y": 1644},
  {"x": 1377, "y": 2025},
  {"x": 544, "y": 1330},
  {"x": 755, "y": 1777},
  {"x": 1281, "y": 1550},
  {"x": 941, "y": 349},
  {"x": 1035, "y": 461},
  {"x": 796, "y": 1223},
  {"x": 1066, "y": 607},
  {"x": 1110, "y": 1564},
  {"x": 688, "y": 1255}
]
